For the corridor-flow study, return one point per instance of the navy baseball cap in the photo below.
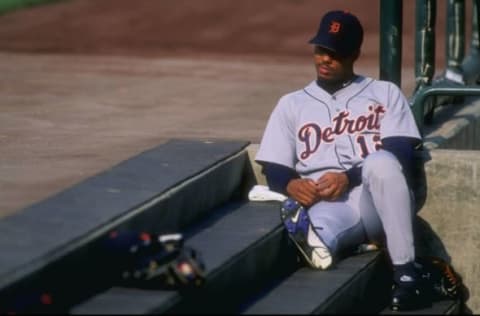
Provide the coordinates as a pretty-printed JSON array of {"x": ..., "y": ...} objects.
[{"x": 340, "y": 32}]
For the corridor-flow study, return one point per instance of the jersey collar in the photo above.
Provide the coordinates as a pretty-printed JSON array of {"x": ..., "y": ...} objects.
[{"x": 344, "y": 93}]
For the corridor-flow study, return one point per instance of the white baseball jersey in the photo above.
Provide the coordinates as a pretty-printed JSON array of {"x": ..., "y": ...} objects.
[{"x": 314, "y": 132}]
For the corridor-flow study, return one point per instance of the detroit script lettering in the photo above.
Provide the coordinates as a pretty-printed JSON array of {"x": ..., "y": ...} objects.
[{"x": 312, "y": 134}]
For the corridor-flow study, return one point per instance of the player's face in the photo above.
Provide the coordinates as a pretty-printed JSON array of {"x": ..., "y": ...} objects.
[{"x": 332, "y": 67}]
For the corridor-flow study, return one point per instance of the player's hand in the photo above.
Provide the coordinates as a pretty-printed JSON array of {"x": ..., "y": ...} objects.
[
  {"x": 304, "y": 191},
  {"x": 332, "y": 185}
]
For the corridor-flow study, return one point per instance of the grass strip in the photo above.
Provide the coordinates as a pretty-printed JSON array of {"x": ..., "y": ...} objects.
[{"x": 11, "y": 5}]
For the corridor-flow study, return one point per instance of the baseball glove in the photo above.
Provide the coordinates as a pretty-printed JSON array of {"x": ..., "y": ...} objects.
[{"x": 144, "y": 260}]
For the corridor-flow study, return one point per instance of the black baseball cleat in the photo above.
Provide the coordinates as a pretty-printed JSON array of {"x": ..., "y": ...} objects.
[
  {"x": 411, "y": 295},
  {"x": 446, "y": 282}
]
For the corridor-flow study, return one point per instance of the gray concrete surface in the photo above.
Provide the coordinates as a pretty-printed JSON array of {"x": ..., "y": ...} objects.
[
  {"x": 456, "y": 126},
  {"x": 452, "y": 211}
]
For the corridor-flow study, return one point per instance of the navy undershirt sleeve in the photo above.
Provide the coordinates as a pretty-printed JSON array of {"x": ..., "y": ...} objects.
[
  {"x": 354, "y": 176},
  {"x": 278, "y": 176},
  {"x": 403, "y": 148}
]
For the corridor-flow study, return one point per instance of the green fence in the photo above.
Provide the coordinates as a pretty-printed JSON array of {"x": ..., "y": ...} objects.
[{"x": 461, "y": 76}]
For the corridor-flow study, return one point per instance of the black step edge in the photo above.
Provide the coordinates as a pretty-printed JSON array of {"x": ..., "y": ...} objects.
[{"x": 444, "y": 307}]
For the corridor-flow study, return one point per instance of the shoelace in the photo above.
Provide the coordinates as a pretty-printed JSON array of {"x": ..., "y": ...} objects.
[{"x": 322, "y": 252}]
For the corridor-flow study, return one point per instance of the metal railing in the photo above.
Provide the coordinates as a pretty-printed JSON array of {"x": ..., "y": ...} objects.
[{"x": 461, "y": 76}]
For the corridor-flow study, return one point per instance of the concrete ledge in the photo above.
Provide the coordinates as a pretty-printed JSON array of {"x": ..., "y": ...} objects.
[
  {"x": 451, "y": 215},
  {"x": 455, "y": 127},
  {"x": 256, "y": 168}
]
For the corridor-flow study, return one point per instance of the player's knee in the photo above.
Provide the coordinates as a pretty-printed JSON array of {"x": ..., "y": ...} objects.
[{"x": 381, "y": 164}]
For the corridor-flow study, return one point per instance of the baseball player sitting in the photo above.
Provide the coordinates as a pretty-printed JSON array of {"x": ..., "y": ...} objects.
[{"x": 342, "y": 150}]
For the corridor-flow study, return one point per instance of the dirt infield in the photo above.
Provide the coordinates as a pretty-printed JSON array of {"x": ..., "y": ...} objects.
[
  {"x": 268, "y": 28},
  {"x": 86, "y": 84}
]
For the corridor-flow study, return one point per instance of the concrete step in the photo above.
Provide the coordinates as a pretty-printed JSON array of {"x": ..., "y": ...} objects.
[
  {"x": 357, "y": 284},
  {"x": 52, "y": 244},
  {"x": 244, "y": 246}
]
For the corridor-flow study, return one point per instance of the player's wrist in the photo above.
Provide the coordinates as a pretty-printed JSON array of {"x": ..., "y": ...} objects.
[
  {"x": 354, "y": 176},
  {"x": 278, "y": 176}
]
